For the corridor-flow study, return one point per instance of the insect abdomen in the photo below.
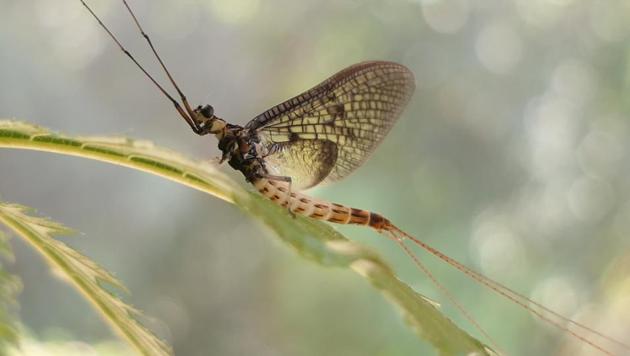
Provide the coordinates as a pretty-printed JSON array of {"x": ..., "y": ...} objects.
[{"x": 301, "y": 204}]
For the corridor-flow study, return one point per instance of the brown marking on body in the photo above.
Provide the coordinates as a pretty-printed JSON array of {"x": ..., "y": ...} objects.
[
  {"x": 377, "y": 221},
  {"x": 340, "y": 216},
  {"x": 358, "y": 221},
  {"x": 359, "y": 217},
  {"x": 358, "y": 213},
  {"x": 336, "y": 213}
]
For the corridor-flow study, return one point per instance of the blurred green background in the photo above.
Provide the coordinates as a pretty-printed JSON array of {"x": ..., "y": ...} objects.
[{"x": 512, "y": 157}]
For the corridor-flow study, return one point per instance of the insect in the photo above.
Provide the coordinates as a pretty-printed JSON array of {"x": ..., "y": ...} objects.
[{"x": 321, "y": 136}]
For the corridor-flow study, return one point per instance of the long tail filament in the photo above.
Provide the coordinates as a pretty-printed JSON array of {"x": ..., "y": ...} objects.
[{"x": 535, "y": 308}]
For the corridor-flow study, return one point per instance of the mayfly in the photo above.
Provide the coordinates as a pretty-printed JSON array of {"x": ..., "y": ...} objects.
[{"x": 321, "y": 136}]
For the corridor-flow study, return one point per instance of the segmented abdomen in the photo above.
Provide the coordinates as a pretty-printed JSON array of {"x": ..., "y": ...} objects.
[{"x": 301, "y": 204}]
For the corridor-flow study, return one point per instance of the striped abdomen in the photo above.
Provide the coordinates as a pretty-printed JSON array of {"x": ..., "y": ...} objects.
[{"x": 301, "y": 204}]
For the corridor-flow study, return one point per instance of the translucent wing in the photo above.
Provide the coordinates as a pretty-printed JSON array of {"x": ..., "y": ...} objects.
[{"x": 325, "y": 133}]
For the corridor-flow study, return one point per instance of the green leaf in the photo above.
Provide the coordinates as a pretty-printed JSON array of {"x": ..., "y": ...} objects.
[
  {"x": 84, "y": 274},
  {"x": 10, "y": 286},
  {"x": 312, "y": 239}
]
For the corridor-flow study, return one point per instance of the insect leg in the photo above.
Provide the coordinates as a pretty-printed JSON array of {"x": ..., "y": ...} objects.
[{"x": 289, "y": 194}]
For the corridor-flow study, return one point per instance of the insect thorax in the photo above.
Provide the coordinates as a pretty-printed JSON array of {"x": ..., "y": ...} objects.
[{"x": 242, "y": 150}]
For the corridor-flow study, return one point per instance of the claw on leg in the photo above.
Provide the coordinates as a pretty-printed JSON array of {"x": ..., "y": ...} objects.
[{"x": 291, "y": 212}]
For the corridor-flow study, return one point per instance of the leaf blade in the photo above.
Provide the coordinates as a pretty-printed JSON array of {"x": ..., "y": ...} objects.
[
  {"x": 10, "y": 286},
  {"x": 87, "y": 277}
]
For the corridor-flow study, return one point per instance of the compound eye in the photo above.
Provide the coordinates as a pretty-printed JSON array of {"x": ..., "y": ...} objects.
[{"x": 207, "y": 111}]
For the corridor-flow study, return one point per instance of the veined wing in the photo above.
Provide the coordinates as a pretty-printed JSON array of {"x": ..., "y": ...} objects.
[{"x": 325, "y": 133}]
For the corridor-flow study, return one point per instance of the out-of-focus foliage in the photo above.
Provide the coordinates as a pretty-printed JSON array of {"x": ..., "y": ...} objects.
[
  {"x": 59, "y": 345},
  {"x": 10, "y": 286},
  {"x": 513, "y": 156},
  {"x": 85, "y": 275}
]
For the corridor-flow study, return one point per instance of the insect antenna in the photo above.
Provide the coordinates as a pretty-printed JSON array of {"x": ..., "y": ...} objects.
[
  {"x": 187, "y": 114},
  {"x": 168, "y": 74}
]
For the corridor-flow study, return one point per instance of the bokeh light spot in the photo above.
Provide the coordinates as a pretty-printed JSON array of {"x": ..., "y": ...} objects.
[
  {"x": 234, "y": 11},
  {"x": 74, "y": 39},
  {"x": 573, "y": 80},
  {"x": 559, "y": 294},
  {"x": 499, "y": 48},
  {"x": 542, "y": 13},
  {"x": 446, "y": 16},
  {"x": 498, "y": 249},
  {"x": 600, "y": 151},
  {"x": 590, "y": 199}
]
